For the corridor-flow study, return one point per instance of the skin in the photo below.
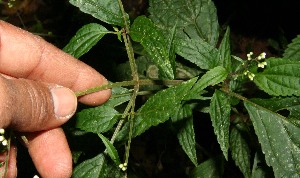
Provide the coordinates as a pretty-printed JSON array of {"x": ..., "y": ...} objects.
[{"x": 31, "y": 70}]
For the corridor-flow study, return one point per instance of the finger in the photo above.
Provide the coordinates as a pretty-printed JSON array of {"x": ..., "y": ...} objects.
[
  {"x": 50, "y": 153},
  {"x": 24, "y": 55},
  {"x": 28, "y": 105}
]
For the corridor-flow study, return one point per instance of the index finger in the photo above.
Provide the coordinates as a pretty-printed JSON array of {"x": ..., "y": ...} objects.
[{"x": 24, "y": 55}]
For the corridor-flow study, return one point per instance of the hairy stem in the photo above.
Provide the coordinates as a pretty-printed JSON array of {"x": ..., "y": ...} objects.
[{"x": 128, "y": 83}]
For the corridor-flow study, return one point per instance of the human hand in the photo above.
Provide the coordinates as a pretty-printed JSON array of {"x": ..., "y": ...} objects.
[{"x": 37, "y": 81}]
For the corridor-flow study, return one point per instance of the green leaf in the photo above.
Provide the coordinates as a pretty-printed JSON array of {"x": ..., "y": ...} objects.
[
  {"x": 198, "y": 52},
  {"x": 280, "y": 78},
  {"x": 197, "y": 17},
  {"x": 85, "y": 38},
  {"x": 279, "y": 140},
  {"x": 119, "y": 96},
  {"x": 159, "y": 108},
  {"x": 97, "y": 120},
  {"x": 144, "y": 31},
  {"x": 260, "y": 169},
  {"x": 186, "y": 134},
  {"x": 224, "y": 49},
  {"x": 208, "y": 169},
  {"x": 111, "y": 150},
  {"x": 90, "y": 168},
  {"x": 220, "y": 117},
  {"x": 293, "y": 50},
  {"x": 211, "y": 77},
  {"x": 97, "y": 167},
  {"x": 240, "y": 151},
  {"x": 291, "y": 104},
  {"x": 105, "y": 10}
]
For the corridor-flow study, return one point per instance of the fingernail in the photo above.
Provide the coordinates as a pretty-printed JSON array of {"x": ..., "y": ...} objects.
[{"x": 65, "y": 102}]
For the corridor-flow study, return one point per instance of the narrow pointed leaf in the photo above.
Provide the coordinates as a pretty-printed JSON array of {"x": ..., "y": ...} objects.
[
  {"x": 158, "y": 109},
  {"x": 157, "y": 46},
  {"x": 220, "y": 117},
  {"x": 105, "y": 10},
  {"x": 111, "y": 150},
  {"x": 280, "y": 78},
  {"x": 97, "y": 120},
  {"x": 224, "y": 49},
  {"x": 211, "y": 77},
  {"x": 293, "y": 50},
  {"x": 240, "y": 151},
  {"x": 279, "y": 140},
  {"x": 186, "y": 134},
  {"x": 199, "y": 17}
]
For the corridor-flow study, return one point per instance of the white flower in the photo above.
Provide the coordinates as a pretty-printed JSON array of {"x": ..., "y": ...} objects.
[
  {"x": 262, "y": 65},
  {"x": 251, "y": 76},
  {"x": 1, "y": 138},
  {"x": 2, "y": 131},
  {"x": 4, "y": 143},
  {"x": 249, "y": 56}
]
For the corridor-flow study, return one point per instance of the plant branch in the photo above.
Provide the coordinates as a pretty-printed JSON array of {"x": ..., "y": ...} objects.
[{"x": 128, "y": 83}]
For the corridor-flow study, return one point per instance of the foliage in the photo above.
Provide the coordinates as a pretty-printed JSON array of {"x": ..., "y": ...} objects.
[{"x": 189, "y": 30}]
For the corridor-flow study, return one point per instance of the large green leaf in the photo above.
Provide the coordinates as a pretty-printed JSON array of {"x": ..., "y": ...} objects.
[
  {"x": 186, "y": 134},
  {"x": 280, "y": 78},
  {"x": 198, "y": 52},
  {"x": 105, "y": 10},
  {"x": 292, "y": 104},
  {"x": 220, "y": 117},
  {"x": 97, "y": 120},
  {"x": 293, "y": 50},
  {"x": 159, "y": 108},
  {"x": 279, "y": 140},
  {"x": 85, "y": 38},
  {"x": 97, "y": 167},
  {"x": 197, "y": 17},
  {"x": 157, "y": 46},
  {"x": 240, "y": 151}
]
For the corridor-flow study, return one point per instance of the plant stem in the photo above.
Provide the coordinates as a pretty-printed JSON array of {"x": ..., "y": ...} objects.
[{"x": 128, "y": 83}]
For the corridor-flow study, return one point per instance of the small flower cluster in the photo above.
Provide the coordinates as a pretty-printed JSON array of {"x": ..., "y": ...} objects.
[
  {"x": 3, "y": 140},
  {"x": 250, "y": 75},
  {"x": 260, "y": 63},
  {"x": 123, "y": 166},
  {"x": 10, "y": 3},
  {"x": 258, "y": 59}
]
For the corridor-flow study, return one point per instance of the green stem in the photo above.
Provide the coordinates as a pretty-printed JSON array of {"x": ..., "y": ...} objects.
[
  {"x": 8, "y": 152},
  {"x": 128, "y": 83}
]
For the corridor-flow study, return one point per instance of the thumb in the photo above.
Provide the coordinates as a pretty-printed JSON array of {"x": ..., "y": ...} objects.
[{"x": 27, "y": 105}]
